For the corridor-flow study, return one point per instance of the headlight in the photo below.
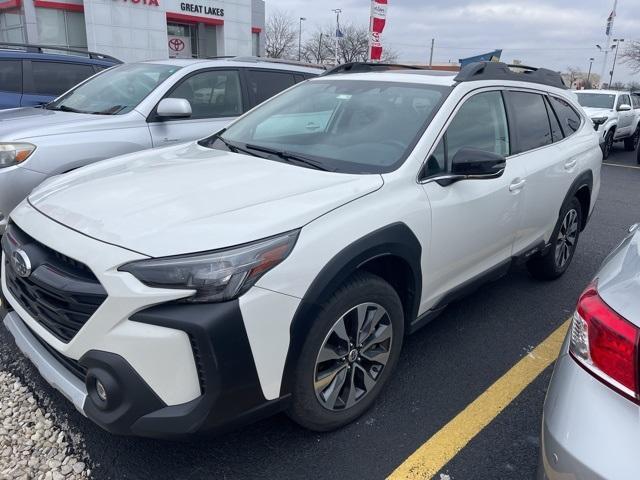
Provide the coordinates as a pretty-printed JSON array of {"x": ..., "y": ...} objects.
[
  {"x": 215, "y": 276},
  {"x": 14, "y": 153},
  {"x": 597, "y": 121}
]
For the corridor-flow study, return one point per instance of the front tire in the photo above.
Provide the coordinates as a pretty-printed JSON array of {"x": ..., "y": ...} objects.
[
  {"x": 564, "y": 241},
  {"x": 608, "y": 145},
  {"x": 349, "y": 354},
  {"x": 631, "y": 143}
]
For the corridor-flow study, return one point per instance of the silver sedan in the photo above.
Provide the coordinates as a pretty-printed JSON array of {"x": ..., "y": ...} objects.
[{"x": 591, "y": 421}]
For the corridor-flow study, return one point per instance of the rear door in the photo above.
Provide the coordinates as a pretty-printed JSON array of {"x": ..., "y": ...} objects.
[
  {"x": 550, "y": 161},
  {"x": 10, "y": 83},
  {"x": 216, "y": 97},
  {"x": 264, "y": 84},
  {"x": 45, "y": 80}
]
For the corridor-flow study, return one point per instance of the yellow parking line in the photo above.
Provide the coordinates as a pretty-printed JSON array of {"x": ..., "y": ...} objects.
[
  {"x": 436, "y": 452},
  {"x": 618, "y": 165}
]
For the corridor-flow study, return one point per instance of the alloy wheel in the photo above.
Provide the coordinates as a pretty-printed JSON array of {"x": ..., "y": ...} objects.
[
  {"x": 567, "y": 237},
  {"x": 352, "y": 357}
]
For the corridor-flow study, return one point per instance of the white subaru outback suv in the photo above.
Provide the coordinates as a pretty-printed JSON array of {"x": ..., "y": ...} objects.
[{"x": 279, "y": 264}]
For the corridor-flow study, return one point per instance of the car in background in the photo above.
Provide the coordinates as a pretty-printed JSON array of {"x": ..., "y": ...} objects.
[
  {"x": 590, "y": 423},
  {"x": 128, "y": 108},
  {"x": 33, "y": 75},
  {"x": 615, "y": 115}
]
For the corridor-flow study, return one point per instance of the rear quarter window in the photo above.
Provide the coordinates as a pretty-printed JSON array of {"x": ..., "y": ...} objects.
[
  {"x": 567, "y": 116},
  {"x": 54, "y": 78}
]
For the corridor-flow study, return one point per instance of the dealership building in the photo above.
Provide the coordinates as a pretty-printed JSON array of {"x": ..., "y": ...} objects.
[{"x": 134, "y": 30}]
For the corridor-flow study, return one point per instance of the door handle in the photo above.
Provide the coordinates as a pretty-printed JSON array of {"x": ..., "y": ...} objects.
[
  {"x": 517, "y": 184},
  {"x": 570, "y": 164}
]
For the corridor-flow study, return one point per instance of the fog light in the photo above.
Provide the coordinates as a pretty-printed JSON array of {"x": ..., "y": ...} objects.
[{"x": 101, "y": 391}]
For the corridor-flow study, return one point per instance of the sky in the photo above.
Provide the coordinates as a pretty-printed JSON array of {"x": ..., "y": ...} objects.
[{"x": 543, "y": 33}]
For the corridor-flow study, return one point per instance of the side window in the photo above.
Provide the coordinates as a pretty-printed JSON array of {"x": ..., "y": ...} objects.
[
  {"x": 214, "y": 93},
  {"x": 54, "y": 78},
  {"x": 556, "y": 131},
  {"x": 11, "y": 76},
  {"x": 635, "y": 99},
  {"x": 481, "y": 123},
  {"x": 568, "y": 117},
  {"x": 530, "y": 122},
  {"x": 623, "y": 100},
  {"x": 264, "y": 84}
]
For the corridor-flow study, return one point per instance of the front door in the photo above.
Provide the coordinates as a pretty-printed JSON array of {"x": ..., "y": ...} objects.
[
  {"x": 474, "y": 222},
  {"x": 216, "y": 99}
]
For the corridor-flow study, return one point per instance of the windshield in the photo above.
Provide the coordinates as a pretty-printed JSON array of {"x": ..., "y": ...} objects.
[
  {"x": 596, "y": 100},
  {"x": 115, "y": 91},
  {"x": 339, "y": 125}
]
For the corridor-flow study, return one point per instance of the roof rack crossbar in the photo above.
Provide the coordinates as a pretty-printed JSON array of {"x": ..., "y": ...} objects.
[
  {"x": 278, "y": 61},
  {"x": 501, "y": 71},
  {"x": 35, "y": 48},
  {"x": 363, "y": 67}
]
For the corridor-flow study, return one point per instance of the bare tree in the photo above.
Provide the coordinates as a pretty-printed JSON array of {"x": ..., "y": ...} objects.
[
  {"x": 280, "y": 35},
  {"x": 631, "y": 55},
  {"x": 634, "y": 86},
  {"x": 618, "y": 86},
  {"x": 353, "y": 46}
]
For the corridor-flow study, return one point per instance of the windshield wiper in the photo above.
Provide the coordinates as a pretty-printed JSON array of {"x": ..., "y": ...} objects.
[
  {"x": 111, "y": 111},
  {"x": 236, "y": 149},
  {"x": 64, "y": 108},
  {"x": 288, "y": 156}
]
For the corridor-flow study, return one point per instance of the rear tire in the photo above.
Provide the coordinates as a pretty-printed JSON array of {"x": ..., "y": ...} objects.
[
  {"x": 564, "y": 241},
  {"x": 607, "y": 145},
  {"x": 631, "y": 143},
  {"x": 344, "y": 364}
]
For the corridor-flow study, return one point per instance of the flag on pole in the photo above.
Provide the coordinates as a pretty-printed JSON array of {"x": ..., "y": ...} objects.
[
  {"x": 610, "y": 22},
  {"x": 378, "y": 21}
]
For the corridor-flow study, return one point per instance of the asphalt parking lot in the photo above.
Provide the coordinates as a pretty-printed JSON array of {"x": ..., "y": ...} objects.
[{"x": 443, "y": 369}]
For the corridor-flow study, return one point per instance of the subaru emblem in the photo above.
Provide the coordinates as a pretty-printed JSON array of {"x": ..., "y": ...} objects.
[{"x": 21, "y": 263}]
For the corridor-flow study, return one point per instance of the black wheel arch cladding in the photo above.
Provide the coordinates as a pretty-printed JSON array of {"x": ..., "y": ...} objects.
[
  {"x": 395, "y": 241},
  {"x": 579, "y": 185}
]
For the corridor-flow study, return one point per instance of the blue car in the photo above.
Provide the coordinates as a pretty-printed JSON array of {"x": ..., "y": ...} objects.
[{"x": 33, "y": 75}]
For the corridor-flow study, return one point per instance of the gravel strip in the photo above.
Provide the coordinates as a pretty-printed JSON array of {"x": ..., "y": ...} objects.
[{"x": 31, "y": 446}]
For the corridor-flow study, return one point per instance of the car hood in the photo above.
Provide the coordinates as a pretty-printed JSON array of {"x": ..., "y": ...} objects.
[
  {"x": 597, "y": 112},
  {"x": 25, "y": 123},
  {"x": 619, "y": 279},
  {"x": 188, "y": 198}
]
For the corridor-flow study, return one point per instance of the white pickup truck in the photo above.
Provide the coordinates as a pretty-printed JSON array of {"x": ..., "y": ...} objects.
[{"x": 616, "y": 116}]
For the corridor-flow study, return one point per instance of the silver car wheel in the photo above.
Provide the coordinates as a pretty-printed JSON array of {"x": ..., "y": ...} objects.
[
  {"x": 567, "y": 237},
  {"x": 353, "y": 356}
]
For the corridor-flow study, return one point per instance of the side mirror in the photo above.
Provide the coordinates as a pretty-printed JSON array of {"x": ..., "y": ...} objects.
[
  {"x": 174, "y": 108},
  {"x": 473, "y": 163},
  {"x": 624, "y": 107}
]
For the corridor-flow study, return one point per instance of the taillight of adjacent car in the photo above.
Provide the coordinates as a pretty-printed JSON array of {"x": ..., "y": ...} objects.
[{"x": 605, "y": 344}]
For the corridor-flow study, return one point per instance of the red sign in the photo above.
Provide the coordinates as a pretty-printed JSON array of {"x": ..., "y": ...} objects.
[
  {"x": 176, "y": 44},
  {"x": 151, "y": 3},
  {"x": 378, "y": 21}
]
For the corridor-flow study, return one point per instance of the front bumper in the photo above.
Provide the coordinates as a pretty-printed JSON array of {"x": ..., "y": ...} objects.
[
  {"x": 588, "y": 430},
  {"x": 231, "y": 390}
]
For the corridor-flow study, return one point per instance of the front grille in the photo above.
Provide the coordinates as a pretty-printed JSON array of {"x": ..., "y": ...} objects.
[
  {"x": 69, "y": 363},
  {"x": 60, "y": 293}
]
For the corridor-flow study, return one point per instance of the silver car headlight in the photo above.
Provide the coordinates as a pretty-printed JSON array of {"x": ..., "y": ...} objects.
[
  {"x": 215, "y": 276},
  {"x": 14, "y": 153}
]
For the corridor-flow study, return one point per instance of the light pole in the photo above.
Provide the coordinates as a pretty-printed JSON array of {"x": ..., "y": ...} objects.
[
  {"x": 589, "y": 74},
  {"x": 302, "y": 19},
  {"x": 616, "y": 45},
  {"x": 337, "y": 11}
]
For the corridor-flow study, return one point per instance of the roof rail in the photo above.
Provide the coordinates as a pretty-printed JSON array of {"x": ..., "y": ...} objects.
[
  {"x": 279, "y": 61},
  {"x": 501, "y": 71},
  {"x": 364, "y": 67},
  {"x": 33, "y": 48}
]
